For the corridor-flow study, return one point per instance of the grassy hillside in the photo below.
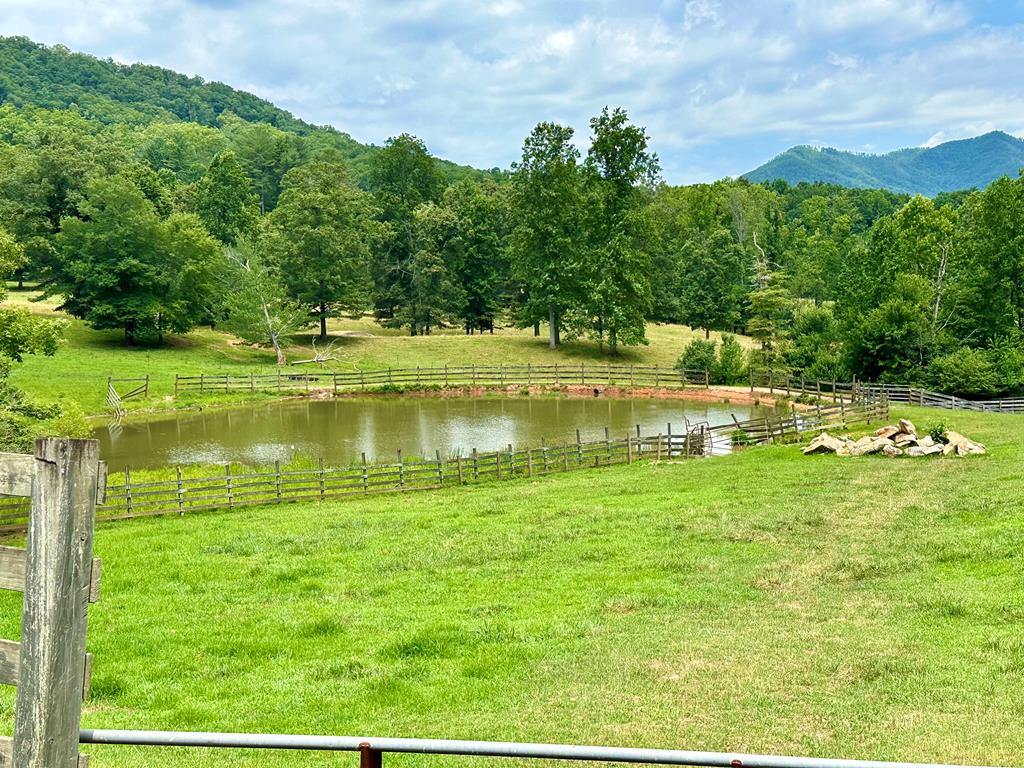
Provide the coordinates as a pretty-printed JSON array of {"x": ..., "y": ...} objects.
[
  {"x": 80, "y": 368},
  {"x": 766, "y": 601},
  {"x": 954, "y": 165}
]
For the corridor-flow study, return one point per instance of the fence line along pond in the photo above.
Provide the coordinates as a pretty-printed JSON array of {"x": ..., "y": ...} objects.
[{"x": 342, "y": 430}]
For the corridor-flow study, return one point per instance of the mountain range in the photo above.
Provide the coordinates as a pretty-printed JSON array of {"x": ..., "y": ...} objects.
[{"x": 953, "y": 165}]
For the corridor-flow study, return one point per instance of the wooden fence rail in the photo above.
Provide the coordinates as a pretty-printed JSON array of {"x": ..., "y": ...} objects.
[
  {"x": 463, "y": 375},
  {"x": 774, "y": 382},
  {"x": 241, "y": 487}
]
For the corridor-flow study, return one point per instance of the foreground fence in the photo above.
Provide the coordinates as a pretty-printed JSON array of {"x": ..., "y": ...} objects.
[
  {"x": 235, "y": 488},
  {"x": 897, "y": 393},
  {"x": 446, "y": 376}
]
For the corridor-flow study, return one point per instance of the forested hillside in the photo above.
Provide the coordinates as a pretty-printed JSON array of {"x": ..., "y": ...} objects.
[
  {"x": 155, "y": 227},
  {"x": 965, "y": 164},
  {"x": 139, "y": 94}
]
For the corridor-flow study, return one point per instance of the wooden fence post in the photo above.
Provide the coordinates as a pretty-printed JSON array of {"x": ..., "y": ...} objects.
[
  {"x": 579, "y": 449},
  {"x": 228, "y": 485},
  {"x": 322, "y": 489},
  {"x": 401, "y": 469},
  {"x": 58, "y": 578},
  {"x": 128, "y": 489},
  {"x": 659, "y": 447},
  {"x": 476, "y": 465},
  {"x": 629, "y": 448},
  {"x": 440, "y": 468},
  {"x": 277, "y": 478},
  {"x": 458, "y": 466},
  {"x": 181, "y": 492},
  {"x": 366, "y": 486}
]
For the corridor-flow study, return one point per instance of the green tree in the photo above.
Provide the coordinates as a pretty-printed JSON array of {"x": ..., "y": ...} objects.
[
  {"x": 122, "y": 266},
  {"x": 322, "y": 233},
  {"x": 621, "y": 173},
  {"x": 224, "y": 201},
  {"x": 403, "y": 176},
  {"x": 547, "y": 210}
]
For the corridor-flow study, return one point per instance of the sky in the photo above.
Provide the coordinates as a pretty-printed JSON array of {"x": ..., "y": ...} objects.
[{"x": 720, "y": 86}]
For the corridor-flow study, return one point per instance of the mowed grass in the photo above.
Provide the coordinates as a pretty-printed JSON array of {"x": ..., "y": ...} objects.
[
  {"x": 80, "y": 369},
  {"x": 765, "y": 601}
]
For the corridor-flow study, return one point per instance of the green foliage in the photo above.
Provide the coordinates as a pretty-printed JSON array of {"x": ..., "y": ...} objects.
[
  {"x": 257, "y": 307},
  {"x": 698, "y": 355},
  {"x": 731, "y": 366},
  {"x": 125, "y": 267},
  {"x": 964, "y": 371},
  {"x": 937, "y": 431},
  {"x": 322, "y": 234},
  {"x": 224, "y": 201},
  {"x": 892, "y": 342},
  {"x": 818, "y": 348},
  {"x": 547, "y": 207}
]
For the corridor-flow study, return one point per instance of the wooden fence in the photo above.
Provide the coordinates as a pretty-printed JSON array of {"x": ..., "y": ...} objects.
[
  {"x": 897, "y": 393},
  {"x": 466, "y": 375},
  {"x": 59, "y": 578},
  {"x": 249, "y": 487}
]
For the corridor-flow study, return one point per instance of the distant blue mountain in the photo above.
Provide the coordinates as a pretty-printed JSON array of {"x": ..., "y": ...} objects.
[{"x": 943, "y": 168}]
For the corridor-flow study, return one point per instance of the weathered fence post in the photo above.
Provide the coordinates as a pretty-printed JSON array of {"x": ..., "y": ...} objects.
[
  {"x": 366, "y": 488},
  {"x": 58, "y": 580},
  {"x": 579, "y": 449},
  {"x": 181, "y": 492},
  {"x": 401, "y": 470},
  {"x": 440, "y": 468},
  {"x": 228, "y": 485},
  {"x": 476, "y": 465},
  {"x": 128, "y": 489},
  {"x": 629, "y": 448},
  {"x": 322, "y": 489},
  {"x": 458, "y": 466}
]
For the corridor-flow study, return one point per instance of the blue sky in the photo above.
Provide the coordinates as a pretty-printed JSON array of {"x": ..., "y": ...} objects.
[{"x": 721, "y": 86}]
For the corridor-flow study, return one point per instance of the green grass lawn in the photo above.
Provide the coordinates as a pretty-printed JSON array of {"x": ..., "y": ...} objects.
[
  {"x": 765, "y": 601},
  {"x": 80, "y": 369}
]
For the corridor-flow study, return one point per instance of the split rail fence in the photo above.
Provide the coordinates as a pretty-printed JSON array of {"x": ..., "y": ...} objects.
[
  {"x": 465, "y": 375},
  {"x": 897, "y": 393},
  {"x": 243, "y": 487}
]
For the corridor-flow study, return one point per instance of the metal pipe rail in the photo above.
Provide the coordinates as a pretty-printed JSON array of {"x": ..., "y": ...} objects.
[{"x": 371, "y": 749}]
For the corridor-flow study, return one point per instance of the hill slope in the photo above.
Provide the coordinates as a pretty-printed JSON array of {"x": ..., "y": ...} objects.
[
  {"x": 950, "y": 166},
  {"x": 32, "y": 74}
]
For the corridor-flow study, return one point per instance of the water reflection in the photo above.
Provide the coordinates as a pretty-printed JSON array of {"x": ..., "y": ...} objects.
[{"x": 341, "y": 430}]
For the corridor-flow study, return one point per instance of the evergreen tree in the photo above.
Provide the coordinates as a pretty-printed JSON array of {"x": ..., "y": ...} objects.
[{"x": 224, "y": 201}]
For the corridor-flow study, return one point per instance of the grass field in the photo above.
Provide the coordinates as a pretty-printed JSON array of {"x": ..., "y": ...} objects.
[
  {"x": 81, "y": 367},
  {"x": 764, "y": 601}
]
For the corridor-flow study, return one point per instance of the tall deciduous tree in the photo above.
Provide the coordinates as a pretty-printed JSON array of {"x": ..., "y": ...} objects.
[
  {"x": 403, "y": 176},
  {"x": 322, "y": 234},
  {"x": 621, "y": 173},
  {"x": 122, "y": 266},
  {"x": 547, "y": 211},
  {"x": 224, "y": 201}
]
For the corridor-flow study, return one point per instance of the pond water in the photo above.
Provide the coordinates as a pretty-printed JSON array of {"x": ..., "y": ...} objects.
[{"x": 341, "y": 430}]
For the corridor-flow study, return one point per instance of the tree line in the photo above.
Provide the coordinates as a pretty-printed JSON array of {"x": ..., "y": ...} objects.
[{"x": 157, "y": 228}]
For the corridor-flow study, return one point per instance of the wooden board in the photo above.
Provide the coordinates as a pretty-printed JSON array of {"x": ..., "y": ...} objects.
[
  {"x": 16, "y": 470},
  {"x": 12, "y": 572}
]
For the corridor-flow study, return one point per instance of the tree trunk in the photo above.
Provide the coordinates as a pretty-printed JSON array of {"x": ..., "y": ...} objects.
[
  {"x": 707, "y": 333},
  {"x": 281, "y": 360},
  {"x": 552, "y": 327},
  {"x": 323, "y": 322},
  {"x": 536, "y": 328}
]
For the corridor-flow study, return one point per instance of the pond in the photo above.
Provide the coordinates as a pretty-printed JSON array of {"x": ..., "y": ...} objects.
[{"x": 341, "y": 430}]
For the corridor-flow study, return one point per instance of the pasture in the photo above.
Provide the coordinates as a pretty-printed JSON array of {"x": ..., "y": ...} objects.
[{"x": 763, "y": 601}]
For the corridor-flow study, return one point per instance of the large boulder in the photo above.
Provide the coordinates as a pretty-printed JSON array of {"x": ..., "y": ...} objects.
[
  {"x": 824, "y": 443},
  {"x": 907, "y": 427},
  {"x": 887, "y": 432},
  {"x": 871, "y": 445}
]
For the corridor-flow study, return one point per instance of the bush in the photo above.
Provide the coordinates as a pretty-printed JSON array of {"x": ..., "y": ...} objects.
[
  {"x": 937, "y": 432},
  {"x": 731, "y": 366},
  {"x": 964, "y": 372},
  {"x": 699, "y": 355}
]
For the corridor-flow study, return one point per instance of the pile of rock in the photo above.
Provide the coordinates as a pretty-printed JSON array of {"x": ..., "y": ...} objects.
[{"x": 900, "y": 440}]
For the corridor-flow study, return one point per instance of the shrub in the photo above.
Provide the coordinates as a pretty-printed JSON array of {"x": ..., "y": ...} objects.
[
  {"x": 699, "y": 354},
  {"x": 965, "y": 371},
  {"x": 937, "y": 432},
  {"x": 731, "y": 366},
  {"x": 1007, "y": 357}
]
